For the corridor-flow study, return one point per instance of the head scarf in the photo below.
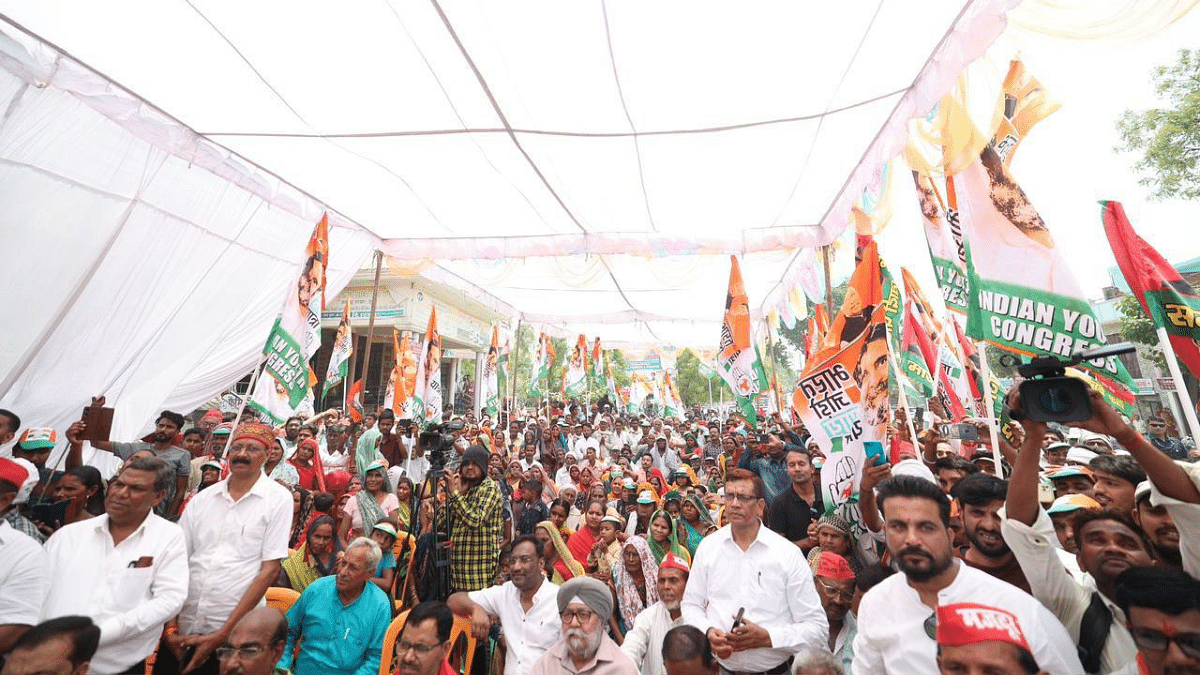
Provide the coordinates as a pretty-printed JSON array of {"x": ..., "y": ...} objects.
[
  {"x": 337, "y": 546},
  {"x": 628, "y": 599},
  {"x": 673, "y": 545},
  {"x": 703, "y": 527},
  {"x": 299, "y": 526},
  {"x": 564, "y": 554},
  {"x": 336, "y": 482},
  {"x": 549, "y": 492},
  {"x": 368, "y": 507}
]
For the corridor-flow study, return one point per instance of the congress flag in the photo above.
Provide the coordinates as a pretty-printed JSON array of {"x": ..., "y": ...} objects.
[
  {"x": 339, "y": 360},
  {"x": 575, "y": 380},
  {"x": 738, "y": 361},
  {"x": 426, "y": 408},
  {"x": 491, "y": 376},
  {"x": 597, "y": 365}
]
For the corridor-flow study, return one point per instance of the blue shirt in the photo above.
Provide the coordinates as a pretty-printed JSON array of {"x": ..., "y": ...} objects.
[
  {"x": 772, "y": 472},
  {"x": 337, "y": 640}
]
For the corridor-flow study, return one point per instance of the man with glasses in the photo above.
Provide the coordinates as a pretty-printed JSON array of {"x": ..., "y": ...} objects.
[
  {"x": 255, "y": 644},
  {"x": 524, "y": 603},
  {"x": 757, "y": 623},
  {"x": 584, "y": 604},
  {"x": 897, "y": 626},
  {"x": 1163, "y": 607},
  {"x": 1157, "y": 435},
  {"x": 835, "y": 585},
  {"x": 424, "y": 644}
]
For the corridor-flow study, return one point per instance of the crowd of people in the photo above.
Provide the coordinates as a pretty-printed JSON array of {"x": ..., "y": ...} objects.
[{"x": 577, "y": 540}]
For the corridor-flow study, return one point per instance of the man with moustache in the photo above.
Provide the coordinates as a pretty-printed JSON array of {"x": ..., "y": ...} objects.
[
  {"x": 835, "y": 583},
  {"x": 1159, "y": 528},
  {"x": 980, "y": 499},
  {"x": 584, "y": 604},
  {"x": 255, "y": 645},
  {"x": 424, "y": 644},
  {"x": 236, "y": 534},
  {"x": 525, "y": 605},
  {"x": 897, "y": 626},
  {"x": 643, "y": 642}
]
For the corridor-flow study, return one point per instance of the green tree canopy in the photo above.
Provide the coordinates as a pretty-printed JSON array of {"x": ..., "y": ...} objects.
[{"x": 1168, "y": 138}]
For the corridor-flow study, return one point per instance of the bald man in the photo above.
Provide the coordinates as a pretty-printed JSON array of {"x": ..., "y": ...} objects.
[{"x": 255, "y": 644}]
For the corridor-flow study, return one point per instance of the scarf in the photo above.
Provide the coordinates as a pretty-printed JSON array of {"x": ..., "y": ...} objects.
[
  {"x": 673, "y": 545},
  {"x": 367, "y": 506},
  {"x": 629, "y": 601},
  {"x": 705, "y": 526},
  {"x": 567, "y": 567}
]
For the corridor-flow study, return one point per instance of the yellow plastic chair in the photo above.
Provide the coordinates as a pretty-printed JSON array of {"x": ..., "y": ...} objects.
[
  {"x": 462, "y": 626},
  {"x": 282, "y": 599}
]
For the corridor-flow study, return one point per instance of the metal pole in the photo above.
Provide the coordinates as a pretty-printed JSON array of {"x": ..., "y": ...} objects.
[
  {"x": 371, "y": 321},
  {"x": 1181, "y": 392},
  {"x": 828, "y": 280}
]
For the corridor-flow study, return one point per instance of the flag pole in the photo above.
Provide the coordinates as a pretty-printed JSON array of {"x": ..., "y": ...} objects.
[
  {"x": 371, "y": 320},
  {"x": 989, "y": 410},
  {"x": 828, "y": 279},
  {"x": 912, "y": 430},
  {"x": 514, "y": 359},
  {"x": 1185, "y": 400}
]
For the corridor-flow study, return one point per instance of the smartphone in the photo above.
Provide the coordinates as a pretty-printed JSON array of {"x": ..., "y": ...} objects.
[
  {"x": 737, "y": 620},
  {"x": 875, "y": 455}
]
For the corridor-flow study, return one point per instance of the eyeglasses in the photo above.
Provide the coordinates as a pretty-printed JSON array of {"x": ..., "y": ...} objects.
[
  {"x": 524, "y": 559},
  {"x": 248, "y": 652},
  {"x": 1157, "y": 641},
  {"x": 835, "y": 593},
  {"x": 403, "y": 646},
  {"x": 931, "y": 626},
  {"x": 582, "y": 615},
  {"x": 735, "y": 498}
]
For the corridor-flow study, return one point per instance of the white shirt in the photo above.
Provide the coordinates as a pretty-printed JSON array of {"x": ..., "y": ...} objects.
[
  {"x": 1187, "y": 520},
  {"x": 643, "y": 642},
  {"x": 334, "y": 460},
  {"x": 23, "y": 579},
  {"x": 92, "y": 577},
  {"x": 227, "y": 542},
  {"x": 528, "y": 634},
  {"x": 771, "y": 580},
  {"x": 891, "y": 631}
]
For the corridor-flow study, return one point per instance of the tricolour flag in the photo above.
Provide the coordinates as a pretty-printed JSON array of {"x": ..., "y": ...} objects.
[
  {"x": 491, "y": 376},
  {"x": 949, "y": 373},
  {"x": 543, "y": 358},
  {"x": 610, "y": 384},
  {"x": 597, "y": 365},
  {"x": 1168, "y": 299},
  {"x": 672, "y": 405},
  {"x": 738, "y": 361},
  {"x": 426, "y": 408},
  {"x": 284, "y": 383},
  {"x": 339, "y": 360},
  {"x": 575, "y": 379}
]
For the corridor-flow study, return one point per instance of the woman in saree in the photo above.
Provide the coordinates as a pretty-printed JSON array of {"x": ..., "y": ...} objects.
[
  {"x": 561, "y": 566},
  {"x": 315, "y": 558},
  {"x": 581, "y": 543},
  {"x": 664, "y": 538},
  {"x": 277, "y": 469},
  {"x": 559, "y": 511},
  {"x": 696, "y": 523},
  {"x": 370, "y": 504},
  {"x": 635, "y": 581},
  {"x": 404, "y": 498},
  {"x": 549, "y": 492}
]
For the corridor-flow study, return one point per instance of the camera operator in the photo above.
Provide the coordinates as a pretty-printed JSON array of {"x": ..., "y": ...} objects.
[{"x": 471, "y": 517}]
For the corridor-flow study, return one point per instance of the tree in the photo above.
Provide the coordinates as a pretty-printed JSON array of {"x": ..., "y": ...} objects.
[
  {"x": 1137, "y": 327},
  {"x": 1168, "y": 138}
]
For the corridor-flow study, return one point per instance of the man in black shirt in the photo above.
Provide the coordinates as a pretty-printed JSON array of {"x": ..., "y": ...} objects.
[{"x": 795, "y": 508}]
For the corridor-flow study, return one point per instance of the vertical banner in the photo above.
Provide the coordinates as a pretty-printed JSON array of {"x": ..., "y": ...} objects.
[
  {"x": 339, "y": 360},
  {"x": 672, "y": 404},
  {"x": 543, "y": 357},
  {"x": 575, "y": 380},
  {"x": 738, "y": 361},
  {"x": 491, "y": 376},
  {"x": 597, "y": 364},
  {"x": 426, "y": 408},
  {"x": 284, "y": 383}
]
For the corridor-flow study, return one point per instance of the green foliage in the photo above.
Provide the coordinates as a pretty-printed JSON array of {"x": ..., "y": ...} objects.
[
  {"x": 694, "y": 387},
  {"x": 1137, "y": 327},
  {"x": 1168, "y": 138}
]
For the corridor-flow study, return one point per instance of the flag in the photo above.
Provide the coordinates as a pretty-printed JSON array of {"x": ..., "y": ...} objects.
[
  {"x": 426, "y": 408},
  {"x": 283, "y": 385},
  {"x": 1168, "y": 299},
  {"x": 540, "y": 366},
  {"x": 575, "y": 379},
  {"x": 947, "y": 369},
  {"x": 491, "y": 376},
  {"x": 916, "y": 353},
  {"x": 738, "y": 361},
  {"x": 610, "y": 384},
  {"x": 389, "y": 394},
  {"x": 1026, "y": 102},
  {"x": 354, "y": 401},
  {"x": 339, "y": 360},
  {"x": 943, "y": 236},
  {"x": 597, "y": 365},
  {"x": 672, "y": 405},
  {"x": 403, "y": 380},
  {"x": 814, "y": 334}
]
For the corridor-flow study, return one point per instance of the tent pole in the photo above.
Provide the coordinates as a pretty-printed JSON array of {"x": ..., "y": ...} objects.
[
  {"x": 828, "y": 279},
  {"x": 371, "y": 320}
]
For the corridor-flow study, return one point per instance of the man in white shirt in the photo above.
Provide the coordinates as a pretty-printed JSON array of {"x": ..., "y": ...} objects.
[
  {"x": 896, "y": 619},
  {"x": 126, "y": 569},
  {"x": 835, "y": 583},
  {"x": 236, "y": 534},
  {"x": 643, "y": 642},
  {"x": 23, "y": 580},
  {"x": 526, "y": 604},
  {"x": 747, "y": 569},
  {"x": 664, "y": 458}
]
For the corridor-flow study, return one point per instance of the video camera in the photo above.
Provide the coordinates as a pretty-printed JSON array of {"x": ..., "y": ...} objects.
[
  {"x": 1049, "y": 395},
  {"x": 438, "y": 442}
]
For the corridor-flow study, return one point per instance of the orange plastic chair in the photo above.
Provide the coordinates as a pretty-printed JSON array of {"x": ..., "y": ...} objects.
[
  {"x": 462, "y": 626},
  {"x": 400, "y": 587},
  {"x": 281, "y": 599}
]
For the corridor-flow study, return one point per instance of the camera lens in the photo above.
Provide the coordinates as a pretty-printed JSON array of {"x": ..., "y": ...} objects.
[{"x": 1056, "y": 400}]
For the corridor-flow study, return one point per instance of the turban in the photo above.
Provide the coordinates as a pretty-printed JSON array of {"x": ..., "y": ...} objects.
[
  {"x": 213, "y": 415},
  {"x": 967, "y": 623},
  {"x": 254, "y": 432},
  {"x": 832, "y": 566},
  {"x": 591, "y": 592}
]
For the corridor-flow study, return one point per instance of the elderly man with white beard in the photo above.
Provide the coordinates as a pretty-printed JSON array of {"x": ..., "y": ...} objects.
[
  {"x": 644, "y": 641},
  {"x": 584, "y": 604}
]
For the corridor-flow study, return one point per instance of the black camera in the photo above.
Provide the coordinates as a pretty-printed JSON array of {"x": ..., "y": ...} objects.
[
  {"x": 438, "y": 444},
  {"x": 1049, "y": 395}
]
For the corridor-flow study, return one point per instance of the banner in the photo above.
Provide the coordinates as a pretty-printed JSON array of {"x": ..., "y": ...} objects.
[
  {"x": 1168, "y": 299},
  {"x": 426, "y": 408},
  {"x": 738, "y": 361},
  {"x": 491, "y": 376},
  {"x": 575, "y": 381},
  {"x": 672, "y": 405},
  {"x": 610, "y": 384},
  {"x": 354, "y": 402},
  {"x": 339, "y": 359},
  {"x": 597, "y": 369},
  {"x": 947, "y": 369},
  {"x": 284, "y": 383},
  {"x": 943, "y": 235},
  {"x": 543, "y": 356}
]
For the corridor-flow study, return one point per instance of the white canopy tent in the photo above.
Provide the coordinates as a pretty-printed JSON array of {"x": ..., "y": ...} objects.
[{"x": 591, "y": 164}]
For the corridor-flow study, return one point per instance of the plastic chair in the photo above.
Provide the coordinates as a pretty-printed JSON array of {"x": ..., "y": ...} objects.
[
  {"x": 462, "y": 627},
  {"x": 281, "y": 599},
  {"x": 404, "y": 550}
]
